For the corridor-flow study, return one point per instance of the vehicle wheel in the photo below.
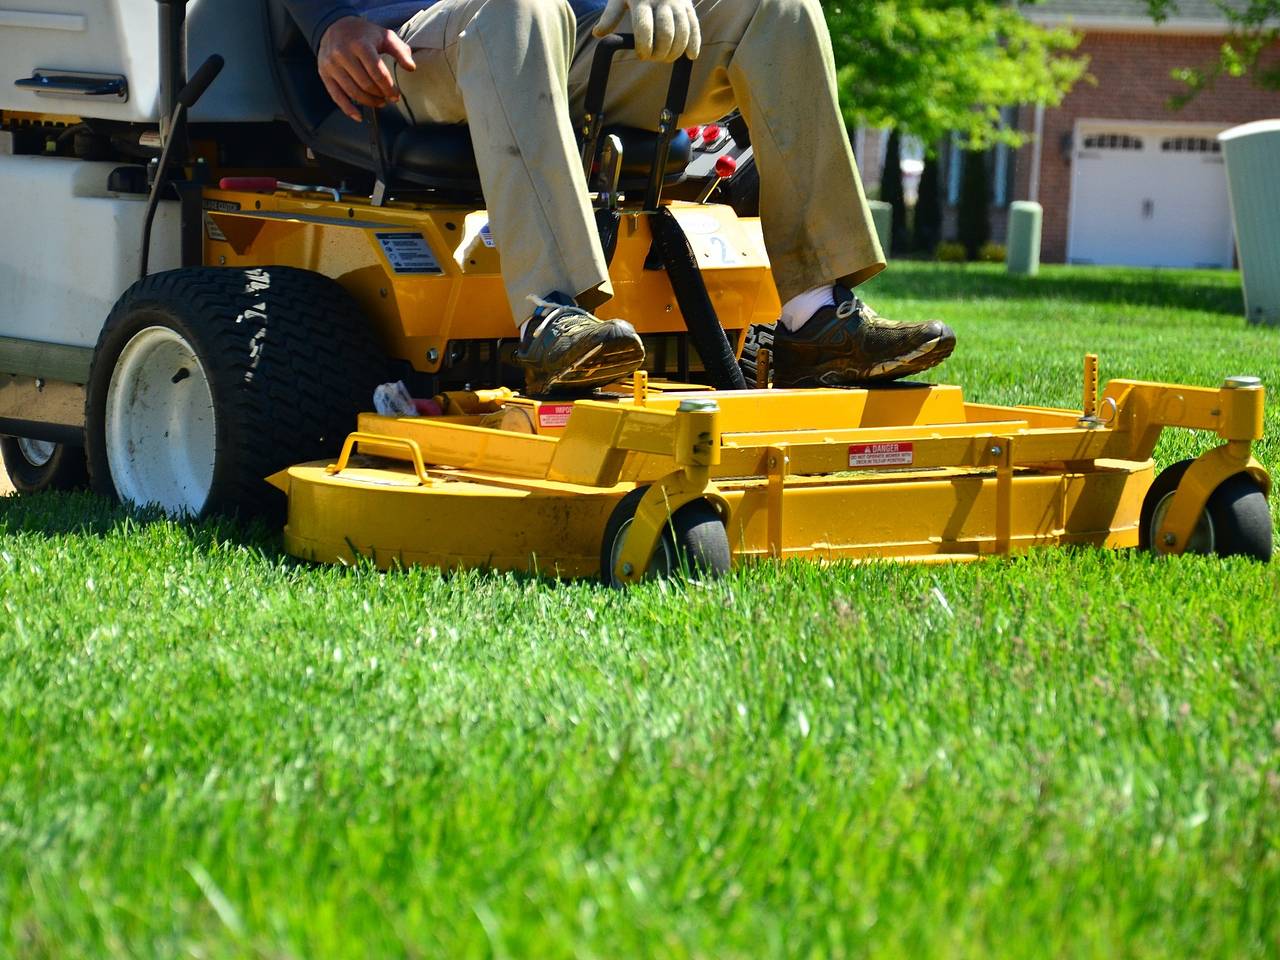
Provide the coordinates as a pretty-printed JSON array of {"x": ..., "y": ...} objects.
[
  {"x": 36, "y": 465},
  {"x": 1235, "y": 521},
  {"x": 759, "y": 337},
  {"x": 693, "y": 542},
  {"x": 206, "y": 380}
]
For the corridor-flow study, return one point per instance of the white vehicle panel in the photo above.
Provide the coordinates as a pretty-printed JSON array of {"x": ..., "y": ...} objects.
[
  {"x": 69, "y": 248},
  {"x": 123, "y": 37}
]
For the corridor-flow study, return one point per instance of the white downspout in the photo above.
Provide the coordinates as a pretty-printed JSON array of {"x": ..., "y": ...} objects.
[{"x": 1037, "y": 152}]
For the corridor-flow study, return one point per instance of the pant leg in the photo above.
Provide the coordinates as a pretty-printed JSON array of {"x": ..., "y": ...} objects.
[
  {"x": 501, "y": 66},
  {"x": 772, "y": 58}
]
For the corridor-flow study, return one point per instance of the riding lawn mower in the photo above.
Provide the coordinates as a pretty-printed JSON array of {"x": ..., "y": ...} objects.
[{"x": 237, "y": 267}]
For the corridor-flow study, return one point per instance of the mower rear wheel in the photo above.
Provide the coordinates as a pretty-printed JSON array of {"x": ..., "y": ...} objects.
[
  {"x": 759, "y": 337},
  {"x": 694, "y": 542},
  {"x": 37, "y": 465},
  {"x": 207, "y": 380},
  {"x": 1236, "y": 521}
]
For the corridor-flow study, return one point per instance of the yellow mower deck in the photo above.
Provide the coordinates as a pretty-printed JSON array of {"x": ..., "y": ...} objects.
[{"x": 910, "y": 471}]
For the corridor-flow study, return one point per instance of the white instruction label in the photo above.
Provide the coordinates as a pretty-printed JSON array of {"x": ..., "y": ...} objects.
[
  {"x": 881, "y": 455},
  {"x": 213, "y": 230},
  {"x": 408, "y": 253}
]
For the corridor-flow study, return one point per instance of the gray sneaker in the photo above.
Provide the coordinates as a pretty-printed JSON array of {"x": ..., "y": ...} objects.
[
  {"x": 849, "y": 343},
  {"x": 567, "y": 349}
]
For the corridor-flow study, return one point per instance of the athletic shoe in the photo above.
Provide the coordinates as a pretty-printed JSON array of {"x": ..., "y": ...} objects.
[
  {"x": 566, "y": 349},
  {"x": 848, "y": 343}
]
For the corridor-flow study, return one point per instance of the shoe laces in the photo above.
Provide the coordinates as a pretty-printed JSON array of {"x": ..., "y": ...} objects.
[
  {"x": 547, "y": 311},
  {"x": 849, "y": 308}
]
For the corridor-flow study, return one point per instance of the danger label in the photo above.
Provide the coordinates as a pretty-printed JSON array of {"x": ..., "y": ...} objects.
[
  {"x": 554, "y": 414},
  {"x": 880, "y": 455}
]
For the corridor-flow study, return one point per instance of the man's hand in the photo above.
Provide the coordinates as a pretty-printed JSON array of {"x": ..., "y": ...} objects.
[
  {"x": 665, "y": 29},
  {"x": 350, "y": 61}
]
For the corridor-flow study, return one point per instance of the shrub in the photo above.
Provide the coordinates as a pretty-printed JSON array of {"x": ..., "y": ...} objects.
[
  {"x": 951, "y": 252},
  {"x": 891, "y": 192},
  {"x": 992, "y": 253},
  {"x": 974, "y": 215},
  {"x": 928, "y": 221}
]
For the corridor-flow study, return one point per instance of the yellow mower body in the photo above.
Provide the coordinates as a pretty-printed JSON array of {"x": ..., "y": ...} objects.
[{"x": 501, "y": 481}]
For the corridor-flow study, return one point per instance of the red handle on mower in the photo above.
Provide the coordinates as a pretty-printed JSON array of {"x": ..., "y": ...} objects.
[{"x": 251, "y": 184}]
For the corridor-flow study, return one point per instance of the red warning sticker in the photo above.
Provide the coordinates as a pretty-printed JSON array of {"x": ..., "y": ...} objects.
[
  {"x": 880, "y": 454},
  {"x": 554, "y": 414}
]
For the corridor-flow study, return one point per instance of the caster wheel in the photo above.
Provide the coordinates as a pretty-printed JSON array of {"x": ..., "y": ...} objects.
[
  {"x": 1235, "y": 521},
  {"x": 693, "y": 543},
  {"x": 36, "y": 465}
]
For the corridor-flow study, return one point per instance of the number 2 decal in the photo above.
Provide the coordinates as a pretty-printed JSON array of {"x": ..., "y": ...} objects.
[{"x": 721, "y": 250}]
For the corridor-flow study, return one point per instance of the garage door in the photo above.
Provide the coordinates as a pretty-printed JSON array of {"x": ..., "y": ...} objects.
[{"x": 1149, "y": 197}]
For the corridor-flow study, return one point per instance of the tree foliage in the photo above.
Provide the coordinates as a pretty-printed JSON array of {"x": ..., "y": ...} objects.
[
  {"x": 1250, "y": 49},
  {"x": 930, "y": 67}
]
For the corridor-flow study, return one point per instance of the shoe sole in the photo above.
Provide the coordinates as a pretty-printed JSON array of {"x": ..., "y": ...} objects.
[
  {"x": 923, "y": 358},
  {"x": 596, "y": 368}
]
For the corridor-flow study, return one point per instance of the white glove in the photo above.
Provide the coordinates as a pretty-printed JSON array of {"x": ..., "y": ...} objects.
[{"x": 665, "y": 30}]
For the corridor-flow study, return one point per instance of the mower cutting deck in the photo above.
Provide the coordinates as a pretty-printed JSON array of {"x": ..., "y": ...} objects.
[{"x": 664, "y": 474}]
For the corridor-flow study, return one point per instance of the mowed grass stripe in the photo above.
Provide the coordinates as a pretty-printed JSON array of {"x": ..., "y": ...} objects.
[{"x": 208, "y": 749}]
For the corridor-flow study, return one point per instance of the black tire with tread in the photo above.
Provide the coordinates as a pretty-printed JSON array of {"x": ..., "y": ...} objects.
[
  {"x": 1238, "y": 508},
  {"x": 695, "y": 538},
  {"x": 65, "y": 470},
  {"x": 759, "y": 337},
  {"x": 290, "y": 361}
]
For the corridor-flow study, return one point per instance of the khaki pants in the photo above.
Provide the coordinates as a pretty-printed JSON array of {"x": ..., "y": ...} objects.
[{"x": 508, "y": 68}]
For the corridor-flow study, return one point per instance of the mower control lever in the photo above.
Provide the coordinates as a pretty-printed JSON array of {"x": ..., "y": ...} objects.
[
  {"x": 198, "y": 84},
  {"x": 668, "y": 122}
]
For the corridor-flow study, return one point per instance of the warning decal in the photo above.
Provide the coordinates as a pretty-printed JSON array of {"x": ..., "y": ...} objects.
[
  {"x": 891, "y": 454},
  {"x": 408, "y": 253},
  {"x": 213, "y": 230},
  {"x": 554, "y": 414}
]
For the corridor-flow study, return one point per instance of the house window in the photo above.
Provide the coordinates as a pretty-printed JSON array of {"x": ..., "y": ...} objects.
[
  {"x": 1112, "y": 141},
  {"x": 1190, "y": 145},
  {"x": 999, "y": 160}
]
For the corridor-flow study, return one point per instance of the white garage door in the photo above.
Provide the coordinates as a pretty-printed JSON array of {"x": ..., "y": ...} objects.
[{"x": 1149, "y": 196}]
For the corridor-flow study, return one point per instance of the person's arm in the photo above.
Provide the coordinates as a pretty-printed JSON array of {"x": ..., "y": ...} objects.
[
  {"x": 314, "y": 17},
  {"x": 349, "y": 53}
]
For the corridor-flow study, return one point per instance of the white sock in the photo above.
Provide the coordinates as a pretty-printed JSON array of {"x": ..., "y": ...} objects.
[{"x": 797, "y": 311}]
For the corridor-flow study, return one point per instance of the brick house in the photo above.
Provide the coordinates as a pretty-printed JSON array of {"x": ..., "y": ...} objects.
[{"x": 1123, "y": 177}]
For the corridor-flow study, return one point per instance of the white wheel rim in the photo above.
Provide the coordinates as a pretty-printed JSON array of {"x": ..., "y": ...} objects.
[
  {"x": 161, "y": 431},
  {"x": 37, "y": 452},
  {"x": 1202, "y": 538}
]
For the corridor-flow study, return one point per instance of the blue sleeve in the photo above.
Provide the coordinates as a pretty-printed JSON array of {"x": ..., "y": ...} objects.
[{"x": 314, "y": 16}]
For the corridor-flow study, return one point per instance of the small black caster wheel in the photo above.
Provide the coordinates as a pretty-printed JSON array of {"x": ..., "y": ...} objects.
[
  {"x": 1235, "y": 521},
  {"x": 37, "y": 465},
  {"x": 693, "y": 543}
]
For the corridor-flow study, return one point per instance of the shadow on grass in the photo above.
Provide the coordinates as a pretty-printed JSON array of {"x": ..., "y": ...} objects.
[
  {"x": 1180, "y": 289},
  {"x": 80, "y": 513},
  {"x": 83, "y": 514}
]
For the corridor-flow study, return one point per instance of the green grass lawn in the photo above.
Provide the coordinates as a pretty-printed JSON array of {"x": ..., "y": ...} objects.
[{"x": 209, "y": 750}]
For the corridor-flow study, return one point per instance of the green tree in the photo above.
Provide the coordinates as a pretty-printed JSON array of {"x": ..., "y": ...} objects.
[
  {"x": 931, "y": 67},
  {"x": 1249, "y": 49},
  {"x": 974, "y": 216},
  {"x": 928, "y": 221},
  {"x": 892, "y": 193}
]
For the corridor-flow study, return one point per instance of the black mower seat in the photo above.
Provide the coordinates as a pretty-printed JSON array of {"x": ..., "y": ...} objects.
[
  {"x": 445, "y": 150},
  {"x": 438, "y": 156}
]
